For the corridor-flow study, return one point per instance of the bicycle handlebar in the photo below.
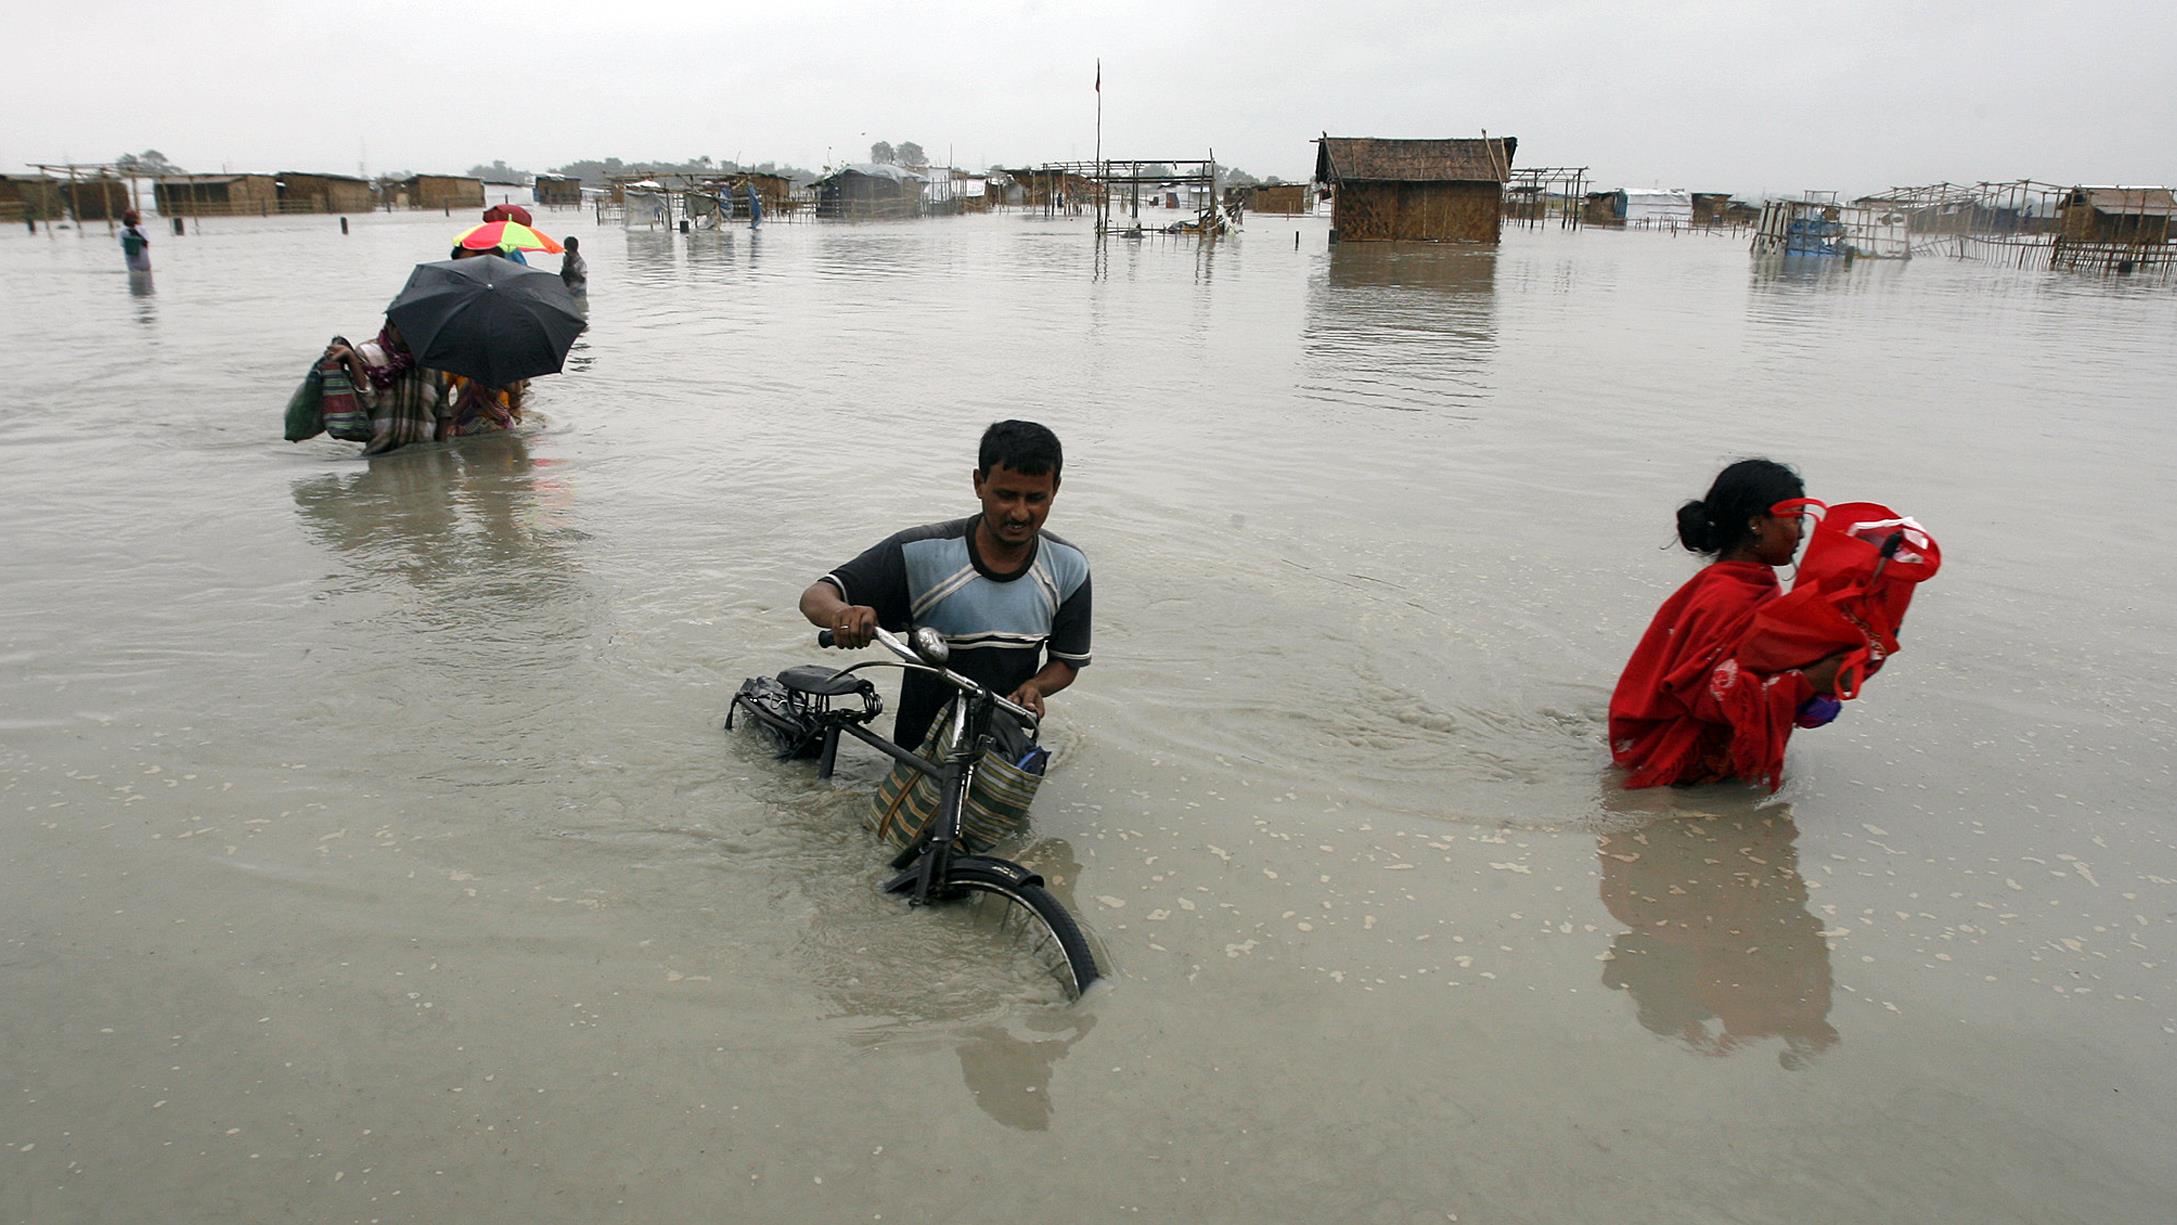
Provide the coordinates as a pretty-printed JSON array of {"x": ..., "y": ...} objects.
[{"x": 910, "y": 660}]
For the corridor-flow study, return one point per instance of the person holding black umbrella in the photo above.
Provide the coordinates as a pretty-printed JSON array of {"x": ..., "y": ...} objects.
[{"x": 459, "y": 345}]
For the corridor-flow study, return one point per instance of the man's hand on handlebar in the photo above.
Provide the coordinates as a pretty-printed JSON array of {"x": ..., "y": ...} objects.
[
  {"x": 853, "y": 626},
  {"x": 1030, "y": 696}
]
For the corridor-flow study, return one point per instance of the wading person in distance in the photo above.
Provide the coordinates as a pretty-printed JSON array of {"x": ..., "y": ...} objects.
[
  {"x": 574, "y": 271},
  {"x": 1684, "y": 711},
  {"x": 1002, "y": 591},
  {"x": 135, "y": 244}
]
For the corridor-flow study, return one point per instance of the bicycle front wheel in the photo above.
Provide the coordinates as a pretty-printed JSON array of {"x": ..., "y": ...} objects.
[{"x": 1026, "y": 921}]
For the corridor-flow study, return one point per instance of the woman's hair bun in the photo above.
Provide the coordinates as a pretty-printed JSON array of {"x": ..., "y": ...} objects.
[{"x": 1696, "y": 527}]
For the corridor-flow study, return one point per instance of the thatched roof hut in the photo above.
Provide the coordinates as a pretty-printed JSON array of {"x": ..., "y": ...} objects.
[{"x": 1449, "y": 190}]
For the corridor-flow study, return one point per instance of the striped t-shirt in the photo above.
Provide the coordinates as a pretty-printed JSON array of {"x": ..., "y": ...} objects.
[{"x": 998, "y": 625}]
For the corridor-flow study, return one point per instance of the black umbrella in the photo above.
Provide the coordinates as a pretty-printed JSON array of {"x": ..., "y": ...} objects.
[{"x": 486, "y": 318}]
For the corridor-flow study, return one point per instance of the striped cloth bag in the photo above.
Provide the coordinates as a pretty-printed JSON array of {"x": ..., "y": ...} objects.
[
  {"x": 996, "y": 807},
  {"x": 342, "y": 410}
]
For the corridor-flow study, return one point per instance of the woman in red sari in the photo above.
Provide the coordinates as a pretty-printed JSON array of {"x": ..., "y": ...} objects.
[{"x": 1684, "y": 711}]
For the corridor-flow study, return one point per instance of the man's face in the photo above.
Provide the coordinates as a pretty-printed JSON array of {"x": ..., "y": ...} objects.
[{"x": 1014, "y": 503}]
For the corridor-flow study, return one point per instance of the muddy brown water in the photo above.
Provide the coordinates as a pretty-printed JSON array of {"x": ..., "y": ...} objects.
[{"x": 373, "y": 853}]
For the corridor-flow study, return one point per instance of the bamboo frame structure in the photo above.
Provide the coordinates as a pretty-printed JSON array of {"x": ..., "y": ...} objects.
[
  {"x": 108, "y": 178},
  {"x": 1106, "y": 181},
  {"x": 1537, "y": 195},
  {"x": 2026, "y": 223}
]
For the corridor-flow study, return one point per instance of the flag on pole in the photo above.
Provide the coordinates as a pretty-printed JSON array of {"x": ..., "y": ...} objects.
[{"x": 1099, "y": 74}]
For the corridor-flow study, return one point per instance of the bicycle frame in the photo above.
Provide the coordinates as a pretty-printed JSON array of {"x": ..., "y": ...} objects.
[{"x": 924, "y": 862}]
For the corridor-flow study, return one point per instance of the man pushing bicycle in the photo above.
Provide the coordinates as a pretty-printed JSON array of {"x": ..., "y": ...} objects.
[{"x": 1002, "y": 591}]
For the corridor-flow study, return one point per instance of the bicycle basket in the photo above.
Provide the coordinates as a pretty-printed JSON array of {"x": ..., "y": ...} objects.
[
  {"x": 996, "y": 806},
  {"x": 794, "y": 720}
]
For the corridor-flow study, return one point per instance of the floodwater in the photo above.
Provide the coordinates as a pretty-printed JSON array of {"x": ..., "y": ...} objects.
[{"x": 372, "y": 851}]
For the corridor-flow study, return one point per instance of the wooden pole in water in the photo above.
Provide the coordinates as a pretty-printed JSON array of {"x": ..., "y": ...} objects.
[{"x": 1103, "y": 213}]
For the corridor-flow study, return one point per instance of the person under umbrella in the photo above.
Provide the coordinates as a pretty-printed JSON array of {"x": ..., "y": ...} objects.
[
  {"x": 505, "y": 238},
  {"x": 487, "y": 319}
]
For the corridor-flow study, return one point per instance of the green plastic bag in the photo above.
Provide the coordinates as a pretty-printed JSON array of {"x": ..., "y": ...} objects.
[{"x": 305, "y": 414}]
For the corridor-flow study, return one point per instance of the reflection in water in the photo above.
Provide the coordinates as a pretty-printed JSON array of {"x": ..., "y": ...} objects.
[
  {"x": 1402, "y": 326},
  {"x": 480, "y": 517},
  {"x": 709, "y": 248},
  {"x": 651, "y": 257},
  {"x": 1720, "y": 950},
  {"x": 924, "y": 978},
  {"x": 1009, "y": 1076}
]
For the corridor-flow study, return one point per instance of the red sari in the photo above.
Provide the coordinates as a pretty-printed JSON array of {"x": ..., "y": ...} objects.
[{"x": 1685, "y": 711}]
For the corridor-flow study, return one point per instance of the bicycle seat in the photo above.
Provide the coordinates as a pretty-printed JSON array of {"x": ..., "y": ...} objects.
[{"x": 821, "y": 681}]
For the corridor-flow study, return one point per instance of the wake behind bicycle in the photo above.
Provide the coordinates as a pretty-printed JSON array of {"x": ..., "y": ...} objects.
[{"x": 807, "y": 708}]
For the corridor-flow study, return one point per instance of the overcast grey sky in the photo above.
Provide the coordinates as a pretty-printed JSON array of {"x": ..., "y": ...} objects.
[{"x": 1745, "y": 97}]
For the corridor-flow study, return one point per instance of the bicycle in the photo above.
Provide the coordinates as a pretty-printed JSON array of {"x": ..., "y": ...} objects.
[{"x": 933, "y": 869}]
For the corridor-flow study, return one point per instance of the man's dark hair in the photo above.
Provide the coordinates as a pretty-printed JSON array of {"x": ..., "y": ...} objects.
[
  {"x": 1023, "y": 446},
  {"x": 572, "y": 243}
]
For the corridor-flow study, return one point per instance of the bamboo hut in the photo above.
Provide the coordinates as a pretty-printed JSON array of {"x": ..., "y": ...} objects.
[
  {"x": 1415, "y": 190},
  {"x": 32, "y": 197},
  {"x": 1050, "y": 188},
  {"x": 2138, "y": 216},
  {"x": 775, "y": 190},
  {"x": 1709, "y": 207},
  {"x": 1287, "y": 199},
  {"x": 1600, "y": 208},
  {"x": 216, "y": 195},
  {"x": 303, "y": 192},
  {"x": 442, "y": 191},
  {"x": 97, "y": 198},
  {"x": 558, "y": 191}
]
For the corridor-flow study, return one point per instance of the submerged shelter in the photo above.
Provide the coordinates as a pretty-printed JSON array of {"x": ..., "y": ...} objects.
[
  {"x": 33, "y": 196},
  {"x": 215, "y": 195},
  {"x": 1415, "y": 190},
  {"x": 868, "y": 190},
  {"x": 2135, "y": 215},
  {"x": 301, "y": 192},
  {"x": 775, "y": 190},
  {"x": 1659, "y": 207},
  {"x": 1288, "y": 199},
  {"x": 442, "y": 191},
  {"x": 557, "y": 191}
]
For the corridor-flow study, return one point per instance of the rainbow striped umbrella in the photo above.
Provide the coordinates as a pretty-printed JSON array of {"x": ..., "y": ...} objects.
[{"x": 508, "y": 236}]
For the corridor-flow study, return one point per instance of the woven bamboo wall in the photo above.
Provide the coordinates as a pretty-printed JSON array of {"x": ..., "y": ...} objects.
[
  {"x": 325, "y": 194},
  {"x": 1418, "y": 212},
  {"x": 445, "y": 191}
]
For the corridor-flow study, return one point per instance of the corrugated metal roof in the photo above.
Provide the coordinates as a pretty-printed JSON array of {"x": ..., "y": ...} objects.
[
  {"x": 2130, "y": 201},
  {"x": 1353, "y": 159}
]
